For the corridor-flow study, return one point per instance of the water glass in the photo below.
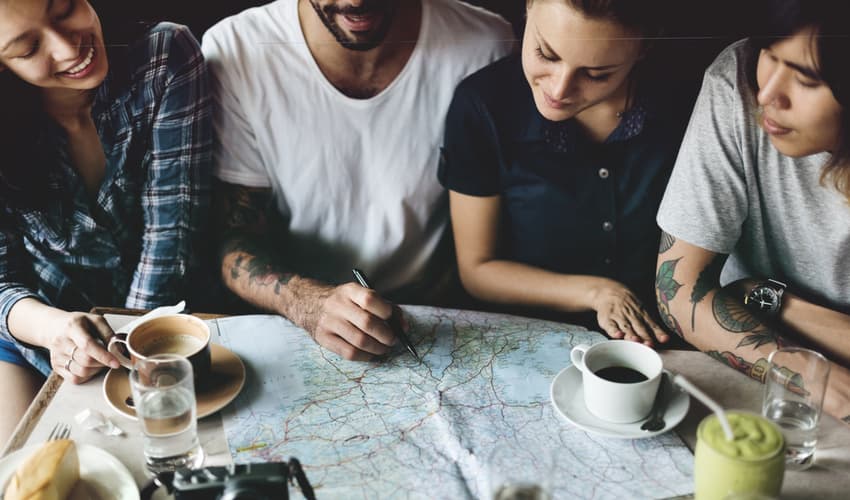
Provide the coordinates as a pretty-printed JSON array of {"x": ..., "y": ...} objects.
[
  {"x": 793, "y": 400},
  {"x": 164, "y": 396},
  {"x": 519, "y": 473}
]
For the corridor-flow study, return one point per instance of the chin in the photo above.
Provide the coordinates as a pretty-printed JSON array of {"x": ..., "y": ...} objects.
[
  {"x": 792, "y": 150},
  {"x": 552, "y": 114}
]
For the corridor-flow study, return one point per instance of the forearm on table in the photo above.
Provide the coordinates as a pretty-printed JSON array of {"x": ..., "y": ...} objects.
[
  {"x": 720, "y": 325},
  {"x": 29, "y": 321},
  {"x": 507, "y": 282},
  {"x": 823, "y": 328},
  {"x": 252, "y": 269}
]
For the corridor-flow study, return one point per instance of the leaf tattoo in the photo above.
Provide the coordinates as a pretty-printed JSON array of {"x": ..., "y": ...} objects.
[
  {"x": 665, "y": 289},
  {"x": 762, "y": 337},
  {"x": 708, "y": 280},
  {"x": 664, "y": 282}
]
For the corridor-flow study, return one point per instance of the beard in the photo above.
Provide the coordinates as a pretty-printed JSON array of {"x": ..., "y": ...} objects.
[{"x": 358, "y": 41}]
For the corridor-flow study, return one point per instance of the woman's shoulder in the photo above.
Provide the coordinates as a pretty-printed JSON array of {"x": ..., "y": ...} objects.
[
  {"x": 730, "y": 61},
  {"x": 153, "y": 59},
  {"x": 165, "y": 41}
]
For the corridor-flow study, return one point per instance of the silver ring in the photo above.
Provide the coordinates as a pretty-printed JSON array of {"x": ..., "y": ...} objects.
[
  {"x": 74, "y": 350},
  {"x": 68, "y": 365}
]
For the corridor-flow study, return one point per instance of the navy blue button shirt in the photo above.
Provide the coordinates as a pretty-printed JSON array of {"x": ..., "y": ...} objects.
[{"x": 570, "y": 205}]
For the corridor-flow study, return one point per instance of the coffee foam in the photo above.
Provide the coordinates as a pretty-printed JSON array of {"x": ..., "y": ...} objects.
[{"x": 183, "y": 345}]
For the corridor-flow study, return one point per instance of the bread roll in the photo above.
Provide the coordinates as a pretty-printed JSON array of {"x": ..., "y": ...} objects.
[{"x": 50, "y": 473}]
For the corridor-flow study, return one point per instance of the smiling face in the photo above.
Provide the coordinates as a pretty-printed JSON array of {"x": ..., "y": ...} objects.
[
  {"x": 356, "y": 24},
  {"x": 573, "y": 62},
  {"x": 799, "y": 111},
  {"x": 52, "y": 44}
]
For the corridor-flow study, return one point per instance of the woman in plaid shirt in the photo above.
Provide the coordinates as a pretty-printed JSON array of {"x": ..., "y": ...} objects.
[{"x": 104, "y": 183}]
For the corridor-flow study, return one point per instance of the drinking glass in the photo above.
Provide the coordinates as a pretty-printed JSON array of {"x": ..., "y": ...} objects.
[
  {"x": 793, "y": 400},
  {"x": 164, "y": 396},
  {"x": 519, "y": 473}
]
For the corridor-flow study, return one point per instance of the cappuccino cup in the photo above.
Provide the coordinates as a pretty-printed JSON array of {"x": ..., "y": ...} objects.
[
  {"x": 179, "y": 334},
  {"x": 620, "y": 379}
]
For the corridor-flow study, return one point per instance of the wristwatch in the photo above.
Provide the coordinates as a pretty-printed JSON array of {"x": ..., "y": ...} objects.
[{"x": 766, "y": 297}]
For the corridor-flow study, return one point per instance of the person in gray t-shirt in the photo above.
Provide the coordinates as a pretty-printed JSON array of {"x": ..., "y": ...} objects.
[{"x": 759, "y": 200}]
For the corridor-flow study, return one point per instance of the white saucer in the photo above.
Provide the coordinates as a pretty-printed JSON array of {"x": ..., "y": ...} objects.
[
  {"x": 102, "y": 476},
  {"x": 568, "y": 398}
]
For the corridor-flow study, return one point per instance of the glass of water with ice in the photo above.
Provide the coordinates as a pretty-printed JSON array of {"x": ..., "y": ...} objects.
[
  {"x": 793, "y": 399},
  {"x": 164, "y": 396}
]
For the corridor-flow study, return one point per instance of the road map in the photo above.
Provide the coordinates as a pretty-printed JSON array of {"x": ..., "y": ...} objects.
[{"x": 401, "y": 429}]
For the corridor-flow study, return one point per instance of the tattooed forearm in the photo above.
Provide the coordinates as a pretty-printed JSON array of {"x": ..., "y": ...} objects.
[
  {"x": 665, "y": 289},
  {"x": 242, "y": 207},
  {"x": 254, "y": 259},
  {"x": 759, "y": 338},
  {"x": 708, "y": 280},
  {"x": 731, "y": 314},
  {"x": 759, "y": 370},
  {"x": 666, "y": 242}
]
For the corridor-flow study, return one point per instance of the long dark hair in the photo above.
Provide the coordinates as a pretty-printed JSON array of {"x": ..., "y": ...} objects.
[
  {"x": 830, "y": 44},
  {"x": 24, "y": 161}
]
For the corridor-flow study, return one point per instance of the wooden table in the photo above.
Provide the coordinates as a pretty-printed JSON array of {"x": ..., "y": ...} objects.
[{"x": 829, "y": 478}]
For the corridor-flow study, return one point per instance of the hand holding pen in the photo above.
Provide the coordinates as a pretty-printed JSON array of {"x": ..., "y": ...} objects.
[
  {"x": 349, "y": 320},
  {"x": 394, "y": 321}
]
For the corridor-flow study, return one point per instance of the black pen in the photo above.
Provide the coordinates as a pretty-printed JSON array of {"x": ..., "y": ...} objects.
[{"x": 395, "y": 325}]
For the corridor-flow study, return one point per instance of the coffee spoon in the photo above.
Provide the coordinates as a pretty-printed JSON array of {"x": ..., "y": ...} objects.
[{"x": 655, "y": 421}]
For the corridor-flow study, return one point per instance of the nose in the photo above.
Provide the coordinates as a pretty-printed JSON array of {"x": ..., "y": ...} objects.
[
  {"x": 774, "y": 90},
  {"x": 562, "y": 83},
  {"x": 62, "y": 46}
]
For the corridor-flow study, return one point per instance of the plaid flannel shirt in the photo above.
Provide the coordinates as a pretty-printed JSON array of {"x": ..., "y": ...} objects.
[{"x": 135, "y": 243}]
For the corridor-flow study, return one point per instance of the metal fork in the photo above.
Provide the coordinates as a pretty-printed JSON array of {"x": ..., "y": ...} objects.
[{"x": 60, "y": 431}]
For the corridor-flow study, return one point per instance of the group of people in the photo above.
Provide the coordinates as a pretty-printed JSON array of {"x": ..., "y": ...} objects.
[{"x": 410, "y": 139}]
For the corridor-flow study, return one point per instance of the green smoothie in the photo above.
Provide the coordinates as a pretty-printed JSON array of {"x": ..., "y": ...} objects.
[{"x": 753, "y": 462}]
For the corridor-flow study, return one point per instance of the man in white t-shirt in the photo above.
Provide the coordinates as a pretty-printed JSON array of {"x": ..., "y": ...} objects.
[{"x": 329, "y": 117}]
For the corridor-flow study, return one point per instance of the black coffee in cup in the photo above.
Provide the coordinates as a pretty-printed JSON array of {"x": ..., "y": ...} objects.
[{"x": 620, "y": 374}]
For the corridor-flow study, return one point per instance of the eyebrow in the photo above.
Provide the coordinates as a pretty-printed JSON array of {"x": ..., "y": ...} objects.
[
  {"x": 592, "y": 68},
  {"x": 24, "y": 35},
  {"x": 805, "y": 70}
]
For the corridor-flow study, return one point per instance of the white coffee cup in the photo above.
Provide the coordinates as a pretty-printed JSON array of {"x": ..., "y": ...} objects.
[{"x": 620, "y": 379}]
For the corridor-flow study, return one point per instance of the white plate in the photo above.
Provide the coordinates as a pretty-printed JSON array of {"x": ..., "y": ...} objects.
[
  {"x": 568, "y": 398},
  {"x": 102, "y": 476}
]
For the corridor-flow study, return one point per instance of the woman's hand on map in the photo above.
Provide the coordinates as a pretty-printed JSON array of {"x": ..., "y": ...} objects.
[{"x": 622, "y": 315}]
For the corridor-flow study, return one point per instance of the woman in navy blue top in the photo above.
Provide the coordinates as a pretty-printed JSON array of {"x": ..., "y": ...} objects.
[
  {"x": 556, "y": 162},
  {"x": 104, "y": 182}
]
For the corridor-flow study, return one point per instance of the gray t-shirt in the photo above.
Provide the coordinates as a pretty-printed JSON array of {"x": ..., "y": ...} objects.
[{"x": 733, "y": 192}]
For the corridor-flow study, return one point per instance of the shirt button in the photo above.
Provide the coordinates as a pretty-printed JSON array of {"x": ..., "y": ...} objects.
[
  {"x": 608, "y": 261},
  {"x": 607, "y": 226},
  {"x": 603, "y": 173}
]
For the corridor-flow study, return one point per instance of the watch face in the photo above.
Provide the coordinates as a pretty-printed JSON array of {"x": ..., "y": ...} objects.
[{"x": 765, "y": 298}]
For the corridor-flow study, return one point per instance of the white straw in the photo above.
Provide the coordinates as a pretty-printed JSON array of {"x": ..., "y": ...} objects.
[{"x": 707, "y": 401}]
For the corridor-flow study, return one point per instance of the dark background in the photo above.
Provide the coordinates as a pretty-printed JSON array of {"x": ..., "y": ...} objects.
[{"x": 699, "y": 30}]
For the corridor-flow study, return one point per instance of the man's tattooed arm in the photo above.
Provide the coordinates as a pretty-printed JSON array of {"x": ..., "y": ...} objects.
[{"x": 252, "y": 254}]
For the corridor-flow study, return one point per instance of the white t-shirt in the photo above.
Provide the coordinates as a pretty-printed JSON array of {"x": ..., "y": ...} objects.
[{"x": 356, "y": 179}]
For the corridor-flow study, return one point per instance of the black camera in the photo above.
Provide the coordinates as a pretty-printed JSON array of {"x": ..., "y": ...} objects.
[{"x": 263, "y": 481}]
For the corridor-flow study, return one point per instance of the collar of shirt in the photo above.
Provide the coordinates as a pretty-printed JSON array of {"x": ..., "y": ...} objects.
[{"x": 562, "y": 136}]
